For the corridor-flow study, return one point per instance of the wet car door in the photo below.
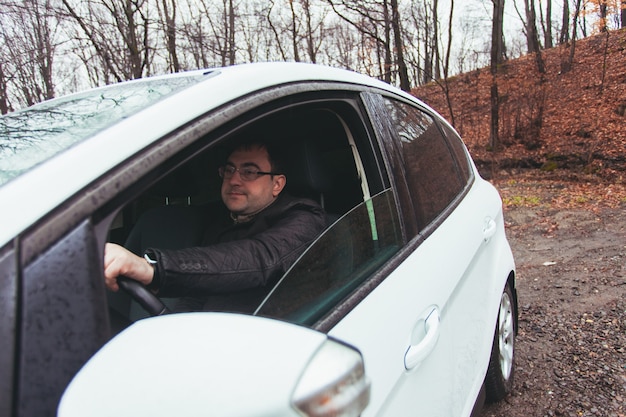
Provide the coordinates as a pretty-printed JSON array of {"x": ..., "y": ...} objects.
[{"x": 425, "y": 331}]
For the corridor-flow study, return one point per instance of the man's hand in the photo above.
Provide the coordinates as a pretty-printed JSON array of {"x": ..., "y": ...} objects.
[{"x": 120, "y": 261}]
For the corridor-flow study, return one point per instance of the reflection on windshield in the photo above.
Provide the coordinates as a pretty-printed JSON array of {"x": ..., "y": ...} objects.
[
  {"x": 32, "y": 135},
  {"x": 345, "y": 256}
]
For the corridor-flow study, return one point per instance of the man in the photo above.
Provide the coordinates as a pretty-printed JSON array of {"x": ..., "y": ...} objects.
[{"x": 248, "y": 245}]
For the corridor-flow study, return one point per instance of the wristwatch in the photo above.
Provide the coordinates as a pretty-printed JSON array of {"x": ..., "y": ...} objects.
[{"x": 156, "y": 279}]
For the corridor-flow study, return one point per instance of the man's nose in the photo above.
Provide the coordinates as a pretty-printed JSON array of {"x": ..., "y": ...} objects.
[{"x": 235, "y": 178}]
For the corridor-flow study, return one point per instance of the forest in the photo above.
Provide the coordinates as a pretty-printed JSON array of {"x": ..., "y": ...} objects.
[
  {"x": 557, "y": 122},
  {"x": 54, "y": 47},
  {"x": 548, "y": 95}
]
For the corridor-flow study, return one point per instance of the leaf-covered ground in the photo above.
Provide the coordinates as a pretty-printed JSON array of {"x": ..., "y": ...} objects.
[
  {"x": 571, "y": 121},
  {"x": 570, "y": 250}
]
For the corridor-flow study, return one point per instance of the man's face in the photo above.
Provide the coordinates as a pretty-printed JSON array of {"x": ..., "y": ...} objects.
[{"x": 248, "y": 197}]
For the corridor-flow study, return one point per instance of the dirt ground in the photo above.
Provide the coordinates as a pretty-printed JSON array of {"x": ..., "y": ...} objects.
[{"x": 570, "y": 247}]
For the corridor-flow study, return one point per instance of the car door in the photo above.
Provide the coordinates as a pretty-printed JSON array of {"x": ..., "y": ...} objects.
[{"x": 425, "y": 331}]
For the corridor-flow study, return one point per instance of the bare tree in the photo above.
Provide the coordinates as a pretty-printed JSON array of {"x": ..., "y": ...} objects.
[
  {"x": 370, "y": 18},
  {"x": 345, "y": 44},
  {"x": 497, "y": 58},
  {"x": 532, "y": 35},
  {"x": 305, "y": 27},
  {"x": 446, "y": 64},
  {"x": 277, "y": 31},
  {"x": 603, "y": 8},
  {"x": 422, "y": 18},
  {"x": 403, "y": 74},
  {"x": 530, "y": 27},
  {"x": 167, "y": 11},
  {"x": 221, "y": 23},
  {"x": 4, "y": 92},
  {"x": 546, "y": 23},
  {"x": 120, "y": 34},
  {"x": 564, "y": 37},
  {"x": 28, "y": 36},
  {"x": 294, "y": 31},
  {"x": 194, "y": 34},
  {"x": 567, "y": 64},
  {"x": 314, "y": 29}
]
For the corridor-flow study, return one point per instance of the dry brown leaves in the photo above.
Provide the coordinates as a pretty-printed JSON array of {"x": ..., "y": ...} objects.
[
  {"x": 574, "y": 120},
  {"x": 559, "y": 195}
]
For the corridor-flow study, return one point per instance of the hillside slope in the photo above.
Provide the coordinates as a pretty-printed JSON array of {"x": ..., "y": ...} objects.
[{"x": 571, "y": 123}]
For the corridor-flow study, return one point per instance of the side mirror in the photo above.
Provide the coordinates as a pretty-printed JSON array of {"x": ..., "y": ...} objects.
[{"x": 217, "y": 364}]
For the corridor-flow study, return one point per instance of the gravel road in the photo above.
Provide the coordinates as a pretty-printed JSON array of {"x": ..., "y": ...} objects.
[{"x": 571, "y": 345}]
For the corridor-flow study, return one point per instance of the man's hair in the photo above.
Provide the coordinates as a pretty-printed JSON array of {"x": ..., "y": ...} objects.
[{"x": 275, "y": 153}]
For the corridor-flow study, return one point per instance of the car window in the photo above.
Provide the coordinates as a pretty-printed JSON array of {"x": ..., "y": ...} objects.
[
  {"x": 345, "y": 256},
  {"x": 460, "y": 152},
  {"x": 31, "y": 136},
  {"x": 431, "y": 171},
  {"x": 322, "y": 163}
]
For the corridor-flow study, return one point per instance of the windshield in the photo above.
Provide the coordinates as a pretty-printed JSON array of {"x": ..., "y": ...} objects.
[{"x": 30, "y": 136}]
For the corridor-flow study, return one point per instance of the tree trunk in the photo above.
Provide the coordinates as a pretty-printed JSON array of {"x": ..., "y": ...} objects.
[
  {"x": 435, "y": 46},
  {"x": 446, "y": 65},
  {"x": 564, "y": 38},
  {"x": 170, "y": 34},
  {"x": 4, "y": 97},
  {"x": 497, "y": 57},
  {"x": 494, "y": 136},
  {"x": 427, "y": 73},
  {"x": 548, "y": 26},
  {"x": 497, "y": 35},
  {"x": 387, "y": 56},
  {"x": 311, "y": 46},
  {"x": 403, "y": 72},
  {"x": 294, "y": 32},
  {"x": 533, "y": 36},
  {"x": 231, "y": 33},
  {"x": 567, "y": 64},
  {"x": 603, "y": 8}
]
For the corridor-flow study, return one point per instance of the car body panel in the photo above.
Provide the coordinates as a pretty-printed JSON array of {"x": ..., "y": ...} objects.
[{"x": 448, "y": 379}]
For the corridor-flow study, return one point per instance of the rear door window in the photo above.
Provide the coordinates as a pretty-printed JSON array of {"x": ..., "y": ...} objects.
[{"x": 431, "y": 171}]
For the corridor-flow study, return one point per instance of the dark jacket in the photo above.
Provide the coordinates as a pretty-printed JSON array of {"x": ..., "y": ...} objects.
[{"x": 239, "y": 262}]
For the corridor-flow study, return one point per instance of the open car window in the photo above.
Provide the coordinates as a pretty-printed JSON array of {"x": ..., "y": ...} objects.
[
  {"x": 328, "y": 161},
  {"x": 340, "y": 260}
]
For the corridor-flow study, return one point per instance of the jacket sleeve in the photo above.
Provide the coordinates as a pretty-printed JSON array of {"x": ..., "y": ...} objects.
[{"x": 242, "y": 264}]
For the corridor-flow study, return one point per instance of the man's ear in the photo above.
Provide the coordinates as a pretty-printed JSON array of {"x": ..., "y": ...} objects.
[{"x": 279, "y": 183}]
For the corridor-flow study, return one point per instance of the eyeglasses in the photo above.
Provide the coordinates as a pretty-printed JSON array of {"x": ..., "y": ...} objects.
[{"x": 246, "y": 173}]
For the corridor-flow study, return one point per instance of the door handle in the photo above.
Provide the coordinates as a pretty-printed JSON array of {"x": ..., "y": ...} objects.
[
  {"x": 489, "y": 229},
  {"x": 418, "y": 351}
]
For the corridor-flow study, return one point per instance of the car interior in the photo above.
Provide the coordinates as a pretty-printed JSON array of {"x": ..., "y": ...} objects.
[{"x": 323, "y": 164}]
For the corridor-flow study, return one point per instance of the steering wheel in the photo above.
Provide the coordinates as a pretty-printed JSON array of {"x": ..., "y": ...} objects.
[{"x": 150, "y": 302}]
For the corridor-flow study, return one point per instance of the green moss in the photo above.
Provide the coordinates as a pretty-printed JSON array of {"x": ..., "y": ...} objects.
[
  {"x": 522, "y": 201},
  {"x": 550, "y": 166}
]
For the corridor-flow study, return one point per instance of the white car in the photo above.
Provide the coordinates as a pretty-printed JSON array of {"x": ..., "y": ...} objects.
[{"x": 405, "y": 305}]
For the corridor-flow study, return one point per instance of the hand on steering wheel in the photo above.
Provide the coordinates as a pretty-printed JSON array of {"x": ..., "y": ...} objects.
[{"x": 146, "y": 299}]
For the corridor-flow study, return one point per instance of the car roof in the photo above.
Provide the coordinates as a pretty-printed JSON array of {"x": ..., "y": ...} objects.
[{"x": 33, "y": 194}]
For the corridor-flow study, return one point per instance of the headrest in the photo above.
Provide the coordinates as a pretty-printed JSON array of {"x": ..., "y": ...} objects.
[{"x": 305, "y": 168}]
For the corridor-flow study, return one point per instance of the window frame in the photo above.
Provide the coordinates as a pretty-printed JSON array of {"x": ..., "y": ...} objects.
[
  {"x": 267, "y": 104},
  {"x": 391, "y": 142}
]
